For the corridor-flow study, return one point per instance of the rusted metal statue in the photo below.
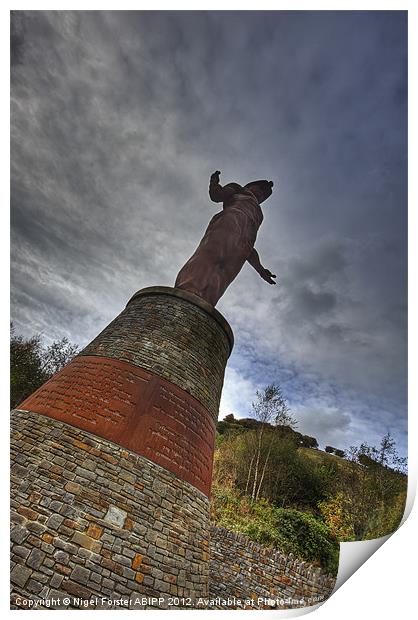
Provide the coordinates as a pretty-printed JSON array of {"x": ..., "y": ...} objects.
[{"x": 228, "y": 241}]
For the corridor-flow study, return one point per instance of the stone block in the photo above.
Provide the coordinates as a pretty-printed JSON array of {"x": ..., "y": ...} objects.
[
  {"x": 28, "y": 513},
  {"x": 121, "y": 559},
  {"x": 35, "y": 558},
  {"x": 73, "y": 487},
  {"x": 76, "y": 589},
  {"x": 116, "y": 516},
  {"x": 62, "y": 557},
  {"x": 136, "y": 562},
  {"x": 80, "y": 575},
  {"x": 34, "y": 586},
  {"x": 54, "y": 521},
  {"x": 22, "y": 552},
  {"x": 20, "y": 575},
  {"x": 85, "y": 541},
  {"x": 94, "y": 531},
  {"x": 56, "y": 580}
]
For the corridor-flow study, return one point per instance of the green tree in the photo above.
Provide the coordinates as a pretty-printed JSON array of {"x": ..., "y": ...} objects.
[
  {"x": 32, "y": 363},
  {"x": 291, "y": 477},
  {"x": 386, "y": 519},
  {"x": 307, "y": 441},
  {"x": 270, "y": 408},
  {"x": 375, "y": 483},
  {"x": 229, "y": 418},
  {"x": 337, "y": 514}
]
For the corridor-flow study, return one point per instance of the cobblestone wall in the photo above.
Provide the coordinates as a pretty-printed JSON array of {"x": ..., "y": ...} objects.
[
  {"x": 91, "y": 519},
  {"x": 241, "y": 570}
]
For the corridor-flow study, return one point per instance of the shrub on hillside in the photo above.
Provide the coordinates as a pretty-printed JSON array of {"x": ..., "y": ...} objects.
[{"x": 291, "y": 531}]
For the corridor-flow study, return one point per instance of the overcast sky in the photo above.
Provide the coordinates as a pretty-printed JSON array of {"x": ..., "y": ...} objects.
[{"x": 118, "y": 120}]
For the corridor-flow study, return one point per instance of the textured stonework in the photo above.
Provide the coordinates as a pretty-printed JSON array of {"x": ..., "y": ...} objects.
[
  {"x": 244, "y": 569},
  {"x": 175, "y": 335},
  {"x": 91, "y": 519}
]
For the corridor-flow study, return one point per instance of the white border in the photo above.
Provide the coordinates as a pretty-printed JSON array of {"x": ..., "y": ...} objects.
[{"x": 383, "y": 586}]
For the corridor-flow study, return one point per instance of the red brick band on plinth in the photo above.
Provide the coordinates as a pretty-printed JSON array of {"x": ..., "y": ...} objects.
[{"x": 137, "y": 410}]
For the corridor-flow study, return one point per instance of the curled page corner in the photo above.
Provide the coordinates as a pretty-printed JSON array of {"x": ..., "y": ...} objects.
[{"x": 354, "y": 554}]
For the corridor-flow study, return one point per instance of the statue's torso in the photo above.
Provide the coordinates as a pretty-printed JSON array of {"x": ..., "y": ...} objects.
[
  {"x": 243, "y": 206},
  {"x": 240, "y": 219},
  {"x": 247, "y": 203}
]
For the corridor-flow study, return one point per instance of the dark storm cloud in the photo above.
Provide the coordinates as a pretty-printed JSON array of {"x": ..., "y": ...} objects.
[{"x": 118, "y": 118}]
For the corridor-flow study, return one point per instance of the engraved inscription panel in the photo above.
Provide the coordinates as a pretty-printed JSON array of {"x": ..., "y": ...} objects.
[
  {"x": 93, "y": 391},
  {"x": 181, "y": 432},
  {"x": 135, "y": 409}
]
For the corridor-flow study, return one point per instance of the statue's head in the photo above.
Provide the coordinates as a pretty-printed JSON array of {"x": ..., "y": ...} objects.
[
  {"x": 235, "y": 186},
  {"x": 262, "y": 189}
]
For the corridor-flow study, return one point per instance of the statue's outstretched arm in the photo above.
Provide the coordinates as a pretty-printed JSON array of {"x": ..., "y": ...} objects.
[
  {"x": 254, "y": 261},
  {"x": 218, "y": 193}
]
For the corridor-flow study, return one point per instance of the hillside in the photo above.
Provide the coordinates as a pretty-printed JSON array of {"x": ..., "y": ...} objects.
[{"x": 266, "y": 475}]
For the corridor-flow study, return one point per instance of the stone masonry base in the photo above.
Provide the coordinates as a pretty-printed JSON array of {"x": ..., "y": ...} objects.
[{"x": 91, "y": 519}]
